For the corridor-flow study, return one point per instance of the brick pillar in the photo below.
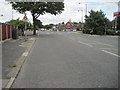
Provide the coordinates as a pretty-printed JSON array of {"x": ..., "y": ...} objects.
[
  {"x": 10, "y": 31},
  {"x": 6, "y": 31},
  {"x": 0, "y": 31}
]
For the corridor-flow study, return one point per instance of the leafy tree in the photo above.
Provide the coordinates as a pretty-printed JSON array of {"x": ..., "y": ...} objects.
[
  {"x": 116, "y": 22},
  {"x": 38, "y": 23},
  {"x": 75, "y": 23},
  {"x": 38, "y": 8},
  {"x": 63, "y": 23},
  {"x": 19, "y": 23},
  {"x": 48, "y": 26},
  {"x": 96, "y": 21}
]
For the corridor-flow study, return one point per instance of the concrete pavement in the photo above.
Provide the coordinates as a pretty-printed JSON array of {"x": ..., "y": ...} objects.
[
  {"x": 12, "y": 51},
  {"x": 69, "y": 60}
]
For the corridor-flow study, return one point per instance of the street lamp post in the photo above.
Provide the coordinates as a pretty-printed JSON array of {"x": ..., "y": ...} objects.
[
  {"x": 85, "y": 7},
  {"x": 1, "y": 15},
  {"x": 81, "y": 15},
  {"x": 81, "y": 19}
]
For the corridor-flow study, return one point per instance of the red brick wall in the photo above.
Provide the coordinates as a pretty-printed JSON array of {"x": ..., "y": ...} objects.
[
  {"x": 0, "y": 31},
  {"x": 9, "y": 31},
  {"x": 3, "y": 32},
  {"x": 6, "y": 31}
]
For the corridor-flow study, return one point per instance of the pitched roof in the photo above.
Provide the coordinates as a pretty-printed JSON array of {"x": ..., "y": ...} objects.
[{"x": 69, "y": 24}]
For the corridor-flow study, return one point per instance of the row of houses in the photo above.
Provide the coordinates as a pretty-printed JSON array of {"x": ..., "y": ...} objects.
[
  {"x": 69, "y": 26},
  {"x": 6, "y": 31}
]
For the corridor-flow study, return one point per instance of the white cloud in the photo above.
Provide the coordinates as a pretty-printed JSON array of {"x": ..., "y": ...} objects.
[{"x": 70, "y": 12}]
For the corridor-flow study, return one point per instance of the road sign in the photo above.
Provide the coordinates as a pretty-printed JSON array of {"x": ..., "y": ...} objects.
[{"x": 117, "y": 13}]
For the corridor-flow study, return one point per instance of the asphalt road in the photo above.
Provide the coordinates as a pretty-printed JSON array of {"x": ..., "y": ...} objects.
[{"x": 70, "y": 60}]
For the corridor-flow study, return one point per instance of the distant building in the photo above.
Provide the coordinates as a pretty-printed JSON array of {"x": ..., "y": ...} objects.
[
  {"x": 54, "y": 27},
  {"x": 69, "y": 26}
]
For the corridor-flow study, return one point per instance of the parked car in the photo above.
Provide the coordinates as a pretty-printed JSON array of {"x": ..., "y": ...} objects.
[
  {"x": 74, "y": 30},
  {"x": 91, "y": 32},
  {"x": 117, "y": 32}
]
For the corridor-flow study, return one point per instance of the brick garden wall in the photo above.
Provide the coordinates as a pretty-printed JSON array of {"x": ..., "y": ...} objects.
[{"x": 6, "y": 31}]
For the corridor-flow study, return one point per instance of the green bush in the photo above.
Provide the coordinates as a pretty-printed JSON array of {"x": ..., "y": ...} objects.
[
  {"x": 78, "y": 29},
  {"x": 110, "y": 32},
  {"x": 87, "y": 31},
  {"x": 100, "y": 33},
  {"x": 100, "y": 30}
]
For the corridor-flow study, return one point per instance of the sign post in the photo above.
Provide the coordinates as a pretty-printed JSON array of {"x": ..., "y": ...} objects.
[
  {"x": 25, "y": 20},
  {"x": 116, "y": 14}
]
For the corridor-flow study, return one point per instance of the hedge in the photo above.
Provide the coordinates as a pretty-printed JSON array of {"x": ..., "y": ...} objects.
[{"x": 110, "y": 32}]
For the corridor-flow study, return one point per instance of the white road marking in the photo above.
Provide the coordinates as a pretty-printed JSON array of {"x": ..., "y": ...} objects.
[
  {"x": 12, "y": 79},
  {"x": 94, "y": 42},
  {"x": 103, "y": 43},
  {"x": 25, "y": 54},
  {"x": 21, "y": 45},
  {"x": 106, "y": 44},
  {"x": 82, "y": 42},
  {"x": 0, "y": 84},
  {"x": 109, "y": 49},
  {"x": 85, "y": 44},
  {"x": 72, "y": 38},
  {"x": 111, "y": 53}
]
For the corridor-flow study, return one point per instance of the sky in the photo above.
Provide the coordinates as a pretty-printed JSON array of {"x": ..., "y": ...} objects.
[{"x": 74, "y": 9}]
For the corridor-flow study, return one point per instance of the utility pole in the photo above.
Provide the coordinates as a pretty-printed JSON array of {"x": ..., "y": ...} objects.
[{"x": 81, "y": 15}]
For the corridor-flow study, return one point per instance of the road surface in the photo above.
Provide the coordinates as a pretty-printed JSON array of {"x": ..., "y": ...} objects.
[{"x": 70, "y": 60}]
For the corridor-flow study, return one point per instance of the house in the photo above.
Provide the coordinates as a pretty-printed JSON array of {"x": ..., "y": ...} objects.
[{"x": 69, "y": 26}]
